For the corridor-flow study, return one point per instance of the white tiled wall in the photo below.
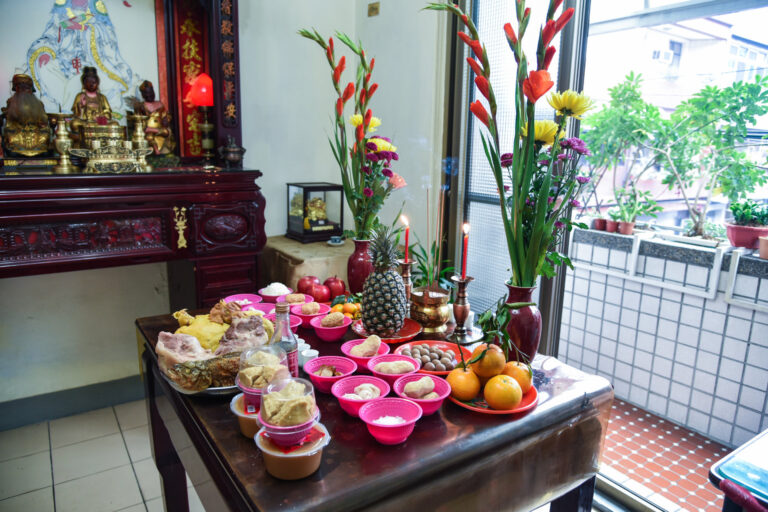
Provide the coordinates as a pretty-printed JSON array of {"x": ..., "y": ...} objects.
[{"x": 698, "y": 362}]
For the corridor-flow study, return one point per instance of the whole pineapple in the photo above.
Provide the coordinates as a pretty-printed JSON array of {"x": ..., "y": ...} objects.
[{"x": 384, "y": 304}]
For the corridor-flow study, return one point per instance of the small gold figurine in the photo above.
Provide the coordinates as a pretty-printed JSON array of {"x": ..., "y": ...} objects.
[
  {"x": 158, "y": 132},
  {"x": 92, "y": 115},
  {"x": 27, "y": 131},
  {"x": 316, "y": 209}
]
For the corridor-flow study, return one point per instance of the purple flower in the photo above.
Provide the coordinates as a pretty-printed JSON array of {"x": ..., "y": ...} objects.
[
  {"x": 558, "y": 224},
  {"x": 563, "y": 156},
  {"x": 583, "y": 179},
  {"x": 395, "y": 156},
  {"x": 506, "y": 159},
  {"x": 551, "y": 200},
  {"x": 368, "y": 192},
  {"x": 576, "y": 144},
  {"x": 385, "y": 155},
  {"x": 371, "y": 146},
  {"x": 528, "y": 201},
  {"x": 544, "y": 161},
  {"x": 574, "y": 202},
  {"x": 373, "y": 157},
  {"x": 506, "y": 188},
  {"x": 366, "y": 169},
  {"x": 384, "y": 138},
  {"x": 387, "y": 172}
]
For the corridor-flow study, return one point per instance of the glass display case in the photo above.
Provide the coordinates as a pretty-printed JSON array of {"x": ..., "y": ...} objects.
[{"x": 315, "y": 211}]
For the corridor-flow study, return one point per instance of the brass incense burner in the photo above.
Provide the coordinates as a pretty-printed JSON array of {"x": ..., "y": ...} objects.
[
  {"x": 429, "y": 307},
  {"x": 114, "y": 157}
]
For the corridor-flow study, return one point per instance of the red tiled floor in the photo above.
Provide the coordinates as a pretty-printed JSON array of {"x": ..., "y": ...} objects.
[{"x": 667, "y": 459}]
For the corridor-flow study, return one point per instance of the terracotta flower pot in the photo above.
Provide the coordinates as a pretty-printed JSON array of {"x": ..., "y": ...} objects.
[
  {"x": 763, "y": 247},
  {"x": 611, "y": 226},
  {"x": 745, "y": 236},
  {"x": 524, "y": 326},
  {"x": 626, "y": 228},
  {"x": 598, "y": 224},
  {"x": 359, "y": 266}
]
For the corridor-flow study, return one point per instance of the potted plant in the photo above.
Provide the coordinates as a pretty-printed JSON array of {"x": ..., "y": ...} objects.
[
  {"x": 632, "y": 202},
  {"x": 750, "y": 222},
  {"x": 366, "y": 164},
  {"x": 598, "y": 220},
  {"x": 612, "y": 222}
]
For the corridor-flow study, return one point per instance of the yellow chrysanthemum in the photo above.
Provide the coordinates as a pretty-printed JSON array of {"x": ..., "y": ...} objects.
[
  {"x": 544, "y": 132},
  {"x": 357, "y": 119},
  {"x": 570, "y": 103},
  {"x": 382, "y": 145}
]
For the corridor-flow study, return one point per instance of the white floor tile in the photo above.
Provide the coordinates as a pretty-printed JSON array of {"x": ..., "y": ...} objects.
[
  {"x": 25, "y": 474},
  {"x": 149, "y": 479},
  {"x": 131, "y": 414},
  {"x": 137, "y": 441},
  {"x": 195, "y": 505},
  {"x": 24, "y": 441},
  {"x": 89, "y": 457},
  {"x": 82, "y": 427},
  {"x": 35, "y": 501},
  {"x": 106, "y": 491},
  {"x": 135, "y": 508},
  {"x": 155, "y": 505}
]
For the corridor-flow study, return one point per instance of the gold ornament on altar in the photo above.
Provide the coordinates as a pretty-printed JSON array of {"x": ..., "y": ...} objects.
[
  {"x": 316, "y": 209},
  {"x": 157, "y": 130},
  {"x": 180, "y": 219},
  {"x": 91, "y": 113},
  {"x": 26, "y": 132},
  {"x": 114, "y": 157}
]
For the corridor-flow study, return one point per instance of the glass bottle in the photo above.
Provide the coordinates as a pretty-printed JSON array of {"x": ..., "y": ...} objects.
[{"x": 284, "y": 337}]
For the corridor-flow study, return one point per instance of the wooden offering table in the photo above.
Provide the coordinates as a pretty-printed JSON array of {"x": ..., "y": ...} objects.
[{"x": 454, "y": 460}]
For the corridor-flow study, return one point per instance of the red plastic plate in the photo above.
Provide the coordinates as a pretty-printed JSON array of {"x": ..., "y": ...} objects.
[
  {"x": 411, "y": 329},
  {"x": 442, "y": 345},
  {"x": 478, "y": 404}
]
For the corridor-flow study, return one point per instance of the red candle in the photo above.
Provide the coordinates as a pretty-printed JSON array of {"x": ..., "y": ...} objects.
[
  {"x": 404, "y": 220},
  {"x": 464, "y": 253}
]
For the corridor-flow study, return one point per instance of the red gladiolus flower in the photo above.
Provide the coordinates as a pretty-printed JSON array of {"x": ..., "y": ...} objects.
[
  {"x": 359, "y": 133},
  {"x": 563, "y": 20},
  {"x": 511, "y": 37},
  {"x": 482, "y": 83},
  {"x": 329, "y": 53},
  {"x": 330, "y": 43},
  {"x": 348, "y": 92},
  {"x": 373, "y": 61},
  {"x": 465, "y": 19},
  {"x": 363, "y": 94},
  {"x": 339, "y": 107},
  {"x": 367, "y": 119},
  {"x": 367, "y": 78},
  {"x": 475, "y": 66},
  {"x": 478, "y": 109},
  {"x": 557, "y": 4},
  {"x": 550, "y": 52},
  {"x": 465, "y": 37},
  {"x": 477, "y": 49},
  {"x": 339, "y": 69},
  {"x": 548, "y": 32},
  {"x": 372, "y": 89},
  {"x": 362, "y": 54},
  {"x": 537, "y": 84},
  {"x": 527, "y": 12}
]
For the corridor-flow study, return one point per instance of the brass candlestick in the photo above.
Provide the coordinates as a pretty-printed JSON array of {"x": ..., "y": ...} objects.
[
  {"x": 405, "y": 272},
  {"x": 62, "y": 144},
  {"x": 461, "y": 307},
  {"x": 206, "y": 129},
  {"x": 140, "y": 142}
]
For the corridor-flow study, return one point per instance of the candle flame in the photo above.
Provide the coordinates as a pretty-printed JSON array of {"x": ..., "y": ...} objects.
[
  {"x": 466, "y": 228},
  {"x": 404, "y": 220}
]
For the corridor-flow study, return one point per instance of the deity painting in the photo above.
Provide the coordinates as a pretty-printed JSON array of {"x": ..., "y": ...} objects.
[{"x": 79, "y": 35}]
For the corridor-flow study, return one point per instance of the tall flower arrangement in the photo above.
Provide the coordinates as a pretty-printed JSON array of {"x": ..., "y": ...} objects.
[
  {"x": 538, "y": 180},
  {"x": 366, "y": 166}
]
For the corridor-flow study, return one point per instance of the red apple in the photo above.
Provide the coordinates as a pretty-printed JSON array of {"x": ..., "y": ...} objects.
[
  {"x": 305, "y": 283},
  {"x": 336, "y": 286},
  {"x": 320, "y": 292}
]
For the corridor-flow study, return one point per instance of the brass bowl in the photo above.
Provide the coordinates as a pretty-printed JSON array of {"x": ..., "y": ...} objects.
[{"x": 430, "y": 308}]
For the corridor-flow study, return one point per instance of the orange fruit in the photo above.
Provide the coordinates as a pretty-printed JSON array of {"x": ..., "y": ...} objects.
[
  {"x": 464, "y": 384},
  {"x": 359, "y": 307},
  {"x": 520, "y": 372},
  {"x": 338, "y": 308},
  {"x": 503, "y": 392},
  {"x": 349, "y": 315},
  {"x": 492, "y": 362},
  {"x": 349, "y": 308}
]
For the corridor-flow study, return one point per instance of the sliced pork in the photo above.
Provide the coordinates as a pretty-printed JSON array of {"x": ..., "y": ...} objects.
[{"x": 179, "y": 348}]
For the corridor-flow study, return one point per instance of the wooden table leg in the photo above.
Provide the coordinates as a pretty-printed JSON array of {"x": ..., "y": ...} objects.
[
  {"x": 172, "y": 474},
  {"x": 577, "y": 500}
]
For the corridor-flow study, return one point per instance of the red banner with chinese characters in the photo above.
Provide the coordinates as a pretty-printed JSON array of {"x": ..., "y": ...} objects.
[{"x": 191, "y": 49}]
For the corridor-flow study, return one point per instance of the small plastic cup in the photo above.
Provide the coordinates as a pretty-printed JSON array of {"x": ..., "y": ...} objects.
[
  {"x": 323, "y": 384},
  {"x": 390, "y": 434},
  {"x": 296, "y": 464},
  {"x": 330, "y": 334},
  {"x": 348, "y": 385},
  {"x": 431, "y": 406},
  {"x": 362, "y": 362},
  {"x": 290, "y": 434},
  {"x": 249, "y": 421},
  {"x": 252, "y": 396},
  {"x": 388, "y": 358}
]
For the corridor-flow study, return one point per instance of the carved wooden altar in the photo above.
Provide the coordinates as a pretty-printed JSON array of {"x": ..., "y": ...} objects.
[{"x": 209, "y": 226}]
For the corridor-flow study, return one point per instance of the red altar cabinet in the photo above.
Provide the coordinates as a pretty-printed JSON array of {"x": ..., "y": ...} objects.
[{"x": 209, "y": 226}]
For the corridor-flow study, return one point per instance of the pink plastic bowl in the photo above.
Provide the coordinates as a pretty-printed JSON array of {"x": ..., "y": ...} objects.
[
  {"x": 251, "y": 396},
  {"x": 323, "y": 384},
  {"x": 255, "y": 299},
  {"x": 428, "y": 407},
  {"x": 388, "y": 358},
  {"x": 306, "y": 319},
  {"x": 264, "y": 307},
  {"x": 348, "y": 385},
  {"x": 362, "y": 362},
  {"x": 307, "y": 298},
  {"x": 295, "y": 321},
  {"x": 271, "y": 298},
  {"x": 330, "y": 333},
  {"x": 287, "y": 436},
  {"x": 390, "y": 434}
]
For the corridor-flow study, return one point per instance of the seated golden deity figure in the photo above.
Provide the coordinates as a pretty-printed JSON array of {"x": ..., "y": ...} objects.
[
  {"x": 158, "y": 132},
  {"x": 91, "y": 108},
  {"x": 27, "y": 132}
]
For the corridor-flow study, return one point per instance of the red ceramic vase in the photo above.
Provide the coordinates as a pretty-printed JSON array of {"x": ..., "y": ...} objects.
[
  {"x": 525, "y": 323},
  {"x": 598, "y": 224},
  {"x": 359, "y": 266}
]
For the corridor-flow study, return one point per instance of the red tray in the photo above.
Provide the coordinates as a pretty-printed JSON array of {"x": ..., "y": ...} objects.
[
  {"x": 442, "y": 345},
  {"x": 478, "y": 404},
  {"x": 411, "y": 329}
]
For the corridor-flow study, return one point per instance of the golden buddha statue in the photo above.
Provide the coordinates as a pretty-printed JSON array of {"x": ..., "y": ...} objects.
[
  {"x": 90, "y": 106},
  {"x": 157, "y": 132},
  {"x": 27, "y": 131}
]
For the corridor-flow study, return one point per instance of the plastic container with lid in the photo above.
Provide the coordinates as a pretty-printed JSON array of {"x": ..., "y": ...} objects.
[
  {"x": 285, "y": 435},
  {"x": 249, "y": 422},
  {"x": 249, "y": 359},
  {"x": 296, "y": 463}
]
